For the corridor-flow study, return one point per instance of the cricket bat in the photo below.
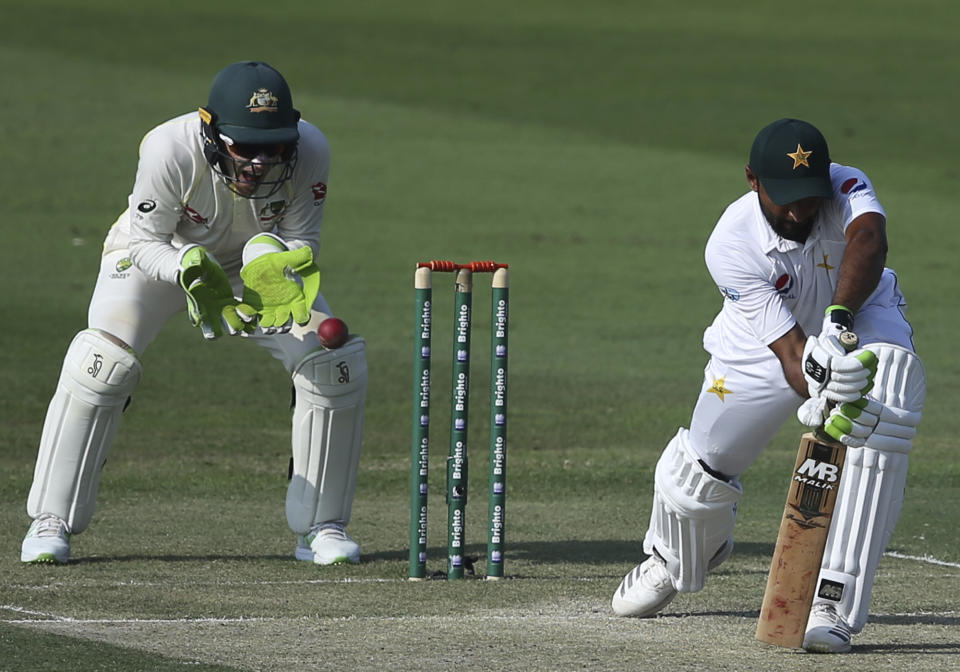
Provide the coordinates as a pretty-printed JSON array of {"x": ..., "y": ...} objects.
[{"x": 803, "y": 535}]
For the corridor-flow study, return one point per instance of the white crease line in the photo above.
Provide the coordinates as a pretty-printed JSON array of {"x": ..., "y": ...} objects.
[
  {"x": 43, "y": 617},
  {"x": 21, "y": 610},
  {"x": 151, "y": 584},
  {"x": 927, "y": 559},
  {"x": 460, "y": 618},
  {"x": 930, "y": 560}
]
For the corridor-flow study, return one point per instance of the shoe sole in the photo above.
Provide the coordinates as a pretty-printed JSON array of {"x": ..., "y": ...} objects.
[
  {"x": 307, "y": 555},
  {"x": 44, "y": 559},
  {"x": 342, "y": 560},
  {"x": 825, "y": 648}
]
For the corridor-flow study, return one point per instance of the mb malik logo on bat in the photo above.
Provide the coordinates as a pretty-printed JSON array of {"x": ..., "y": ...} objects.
[
  {"x": 815, "y": 472},
  {"x": 815, "y": 481}
]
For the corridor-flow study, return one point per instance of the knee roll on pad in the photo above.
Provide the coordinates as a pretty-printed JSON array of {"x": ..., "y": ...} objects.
[
  {"x": 330, "y": 390},
  {"x": 96, "y": 381},
  {"x": 693, "y": 515},
  {"x": 871, "y": 490}
]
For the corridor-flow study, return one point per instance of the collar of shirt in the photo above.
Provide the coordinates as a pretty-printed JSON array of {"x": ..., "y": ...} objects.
[{"x": 771, "y": 242}]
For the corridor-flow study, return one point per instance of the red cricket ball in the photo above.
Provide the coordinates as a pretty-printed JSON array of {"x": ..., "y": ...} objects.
[{"x": 333, "y": 332}]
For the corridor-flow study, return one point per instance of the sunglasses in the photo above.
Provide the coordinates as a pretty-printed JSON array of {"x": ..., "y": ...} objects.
[{"x": 250, "y": 151}]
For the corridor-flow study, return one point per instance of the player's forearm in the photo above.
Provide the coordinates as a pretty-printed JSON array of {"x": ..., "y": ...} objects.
[
  {"x": 863, "y": 261},
  {"x": 158, "y": 260},
  {"x": 789, "y": 350}
]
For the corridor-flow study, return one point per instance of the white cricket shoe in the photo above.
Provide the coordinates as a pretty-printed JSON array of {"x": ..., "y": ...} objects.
[
  {"x": 826, "y": 630},
  {"x": 327, "y": 544},
  {"x": 47, "y": 541},
  {"x": 645, "y": 590}
]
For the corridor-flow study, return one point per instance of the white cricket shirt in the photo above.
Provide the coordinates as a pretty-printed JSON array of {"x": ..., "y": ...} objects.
[
  {"x": 768, "y": 283},
  {"x": 178, "y": 199}
]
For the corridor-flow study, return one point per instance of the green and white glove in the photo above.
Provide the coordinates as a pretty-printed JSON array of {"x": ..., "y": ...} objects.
[
  {"x": 833, "y": 374},
  {"x": 210, "y": 301},
  {"x": 852, "y": 423},
  {"x": 279, "y": 283}
]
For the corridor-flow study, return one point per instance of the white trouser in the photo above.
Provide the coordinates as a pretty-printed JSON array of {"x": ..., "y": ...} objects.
[
  {"x": 132, "y": 308},
  {"x": 742, "y": 404}
]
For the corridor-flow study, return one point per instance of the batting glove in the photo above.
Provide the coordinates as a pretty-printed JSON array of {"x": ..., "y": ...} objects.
[
  {"x": 835, "y": 375},
  {"x": 813, "y": 411},
  {"x": 886, "y": 427},
  {"x": 210, "y": 301},
  {"x": 853, "y": 422}
]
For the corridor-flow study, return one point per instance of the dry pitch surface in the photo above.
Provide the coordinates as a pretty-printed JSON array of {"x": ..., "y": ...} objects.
[{"x": 550, "y": 624}]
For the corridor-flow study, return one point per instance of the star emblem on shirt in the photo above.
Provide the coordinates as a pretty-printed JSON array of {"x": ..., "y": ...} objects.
[
  {"x": 825, "y": 265},
  {"x": 800, "y": 157},
  {"x": 719, "y": 387}
]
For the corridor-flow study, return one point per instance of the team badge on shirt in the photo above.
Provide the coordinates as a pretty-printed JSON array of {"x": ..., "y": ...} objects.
[
  {"x": 272, "y": 213},
  {"x": 120, "y": 270},
  {"x": 719, "y": 387}
]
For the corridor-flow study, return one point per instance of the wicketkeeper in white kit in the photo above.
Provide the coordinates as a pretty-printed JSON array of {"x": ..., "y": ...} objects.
[
  {"x": 798, "y": 259},
  {"x": 224, "y": 220}
]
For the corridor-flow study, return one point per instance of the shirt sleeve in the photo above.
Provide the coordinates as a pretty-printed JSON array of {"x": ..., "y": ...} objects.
[
  {"x": 302, "y": 224},
  {"x": 156, "y": 206},
  {"x": 751, "y": 303},
  {"x": 853, "y": 193}
]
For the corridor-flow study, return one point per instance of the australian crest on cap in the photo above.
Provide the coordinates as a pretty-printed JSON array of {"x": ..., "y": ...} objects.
[{"x": 263, "y": 100}]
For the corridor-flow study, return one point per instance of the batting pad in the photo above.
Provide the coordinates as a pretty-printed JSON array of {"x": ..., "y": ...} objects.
[
  {"x": 691, "y": 523},
  {"x": 97, "y": 378},
  {"x": 330, "y": 388},
  {"x": 872, "y": 488}
]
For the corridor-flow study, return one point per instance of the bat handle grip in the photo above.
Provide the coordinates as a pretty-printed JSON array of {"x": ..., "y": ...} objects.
[{"x": 849, "y": 340}]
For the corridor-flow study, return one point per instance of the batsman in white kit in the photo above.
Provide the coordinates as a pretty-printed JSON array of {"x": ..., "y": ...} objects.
[
  {"x": 798, "y": 259},
  {"x": 223, "y": 221}
]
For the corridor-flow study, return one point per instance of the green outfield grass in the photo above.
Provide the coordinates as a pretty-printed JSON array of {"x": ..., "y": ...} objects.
[{"x": 589, "y": 145}]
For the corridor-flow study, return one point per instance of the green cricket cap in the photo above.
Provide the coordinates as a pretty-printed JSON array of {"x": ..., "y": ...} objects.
[
  {"x": 791, "y": 159},
  {"x": 253, "y": 104}
]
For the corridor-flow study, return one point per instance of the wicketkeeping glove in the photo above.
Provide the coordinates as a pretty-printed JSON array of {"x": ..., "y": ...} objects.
[
  {"x": 210, "y": 301},
  {"x": 834, "y": 375},
  {"x": 281, "y": 286}
]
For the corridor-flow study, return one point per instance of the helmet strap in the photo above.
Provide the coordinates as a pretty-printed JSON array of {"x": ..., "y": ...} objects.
[{"x": 211, "y": 143}]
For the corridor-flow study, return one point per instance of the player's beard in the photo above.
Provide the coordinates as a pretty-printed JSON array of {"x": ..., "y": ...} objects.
[{"x": 786, "y": 227}]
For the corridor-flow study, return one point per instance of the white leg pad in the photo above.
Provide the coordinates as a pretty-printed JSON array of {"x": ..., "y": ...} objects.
[
  {"x": 871, "y": 490},
  {"x": 693, "y": 515},
  {"x": 97, "y": 379},
  {"x": 330, "y": 388}
]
